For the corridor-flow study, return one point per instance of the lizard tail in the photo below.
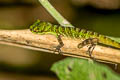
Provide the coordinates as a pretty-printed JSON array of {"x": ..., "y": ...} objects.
[{"x": 108, "y": 41}]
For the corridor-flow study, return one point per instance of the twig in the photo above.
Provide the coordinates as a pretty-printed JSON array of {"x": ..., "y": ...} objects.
[
  {"x": 47, "y": 43},
  {"x": 61, "y": 20}
]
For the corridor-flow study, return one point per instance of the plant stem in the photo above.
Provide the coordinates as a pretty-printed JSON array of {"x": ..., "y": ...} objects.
[{"x": 60, "y": 19}]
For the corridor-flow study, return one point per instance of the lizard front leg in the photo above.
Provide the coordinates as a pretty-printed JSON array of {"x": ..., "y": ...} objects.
[
  {"x": 90, "y": 41},
  {"x": 61, "y": 44}
]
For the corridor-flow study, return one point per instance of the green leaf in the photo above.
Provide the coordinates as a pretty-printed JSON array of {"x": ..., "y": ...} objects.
[
  {"x": 115, "y": 38},
  {"x": 79, "y": 69}
]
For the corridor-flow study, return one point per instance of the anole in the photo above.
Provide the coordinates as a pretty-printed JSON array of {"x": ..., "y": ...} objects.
[{"x": 89, "y": 38}]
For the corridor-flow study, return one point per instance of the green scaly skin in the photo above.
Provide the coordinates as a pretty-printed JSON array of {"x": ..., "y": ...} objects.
[{"x": 41, "y": 27}]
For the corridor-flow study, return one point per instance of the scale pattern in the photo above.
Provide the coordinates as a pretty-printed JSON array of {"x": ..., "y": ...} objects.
[{"x": 41, "y": 27}]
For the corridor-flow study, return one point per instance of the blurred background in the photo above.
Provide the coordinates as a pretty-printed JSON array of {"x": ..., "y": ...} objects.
[{"x": 102, "y": 16}]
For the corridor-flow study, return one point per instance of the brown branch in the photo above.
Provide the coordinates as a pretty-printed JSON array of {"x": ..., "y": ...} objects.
[{"x": 47, "y": 43}]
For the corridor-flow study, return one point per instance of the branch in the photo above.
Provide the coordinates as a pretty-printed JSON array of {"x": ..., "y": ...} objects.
[
  {"x": 60, "y": 19},
  {"x": 47, "y": 43}
]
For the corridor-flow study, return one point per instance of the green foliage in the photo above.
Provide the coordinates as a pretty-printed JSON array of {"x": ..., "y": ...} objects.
[
  {"x": 79, "y": 69},
  {"x": 116, "y": 39}
]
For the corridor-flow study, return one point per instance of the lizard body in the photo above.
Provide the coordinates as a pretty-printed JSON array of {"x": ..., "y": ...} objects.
[{"x": 89, "y": 37}]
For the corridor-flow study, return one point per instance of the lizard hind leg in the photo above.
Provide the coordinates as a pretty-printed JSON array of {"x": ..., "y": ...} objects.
[
  {"x": 92, "y": 42},
  {"x": 90, "y": 49}
]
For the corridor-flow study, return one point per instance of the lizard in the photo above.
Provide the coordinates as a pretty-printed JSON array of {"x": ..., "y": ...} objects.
[{"x": 89, "y": 37}]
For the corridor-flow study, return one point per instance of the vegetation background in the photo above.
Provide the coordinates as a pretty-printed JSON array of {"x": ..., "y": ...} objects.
[{"x": 102, "y": 16}]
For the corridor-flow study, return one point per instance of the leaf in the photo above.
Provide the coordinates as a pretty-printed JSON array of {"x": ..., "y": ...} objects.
[
  {"x": 115, "y": 38},
  {"x": 79, "y": 69}
]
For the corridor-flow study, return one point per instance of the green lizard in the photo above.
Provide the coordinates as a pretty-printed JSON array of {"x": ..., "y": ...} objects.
[{"x": 89, "y": 38}]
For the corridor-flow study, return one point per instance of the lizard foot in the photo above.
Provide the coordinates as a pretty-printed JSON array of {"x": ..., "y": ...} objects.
[
  {"x": 90, "y": 41},
  {"x": 61, "y": 44}
]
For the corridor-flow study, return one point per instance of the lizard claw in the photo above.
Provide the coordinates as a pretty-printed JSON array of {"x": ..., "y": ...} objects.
[
  {"x": 58, "y": 50},
  {"x": 90, "y": 54}
]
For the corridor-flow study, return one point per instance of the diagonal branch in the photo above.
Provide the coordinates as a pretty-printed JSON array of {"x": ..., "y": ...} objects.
[{"x": 47, "y": 43}]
